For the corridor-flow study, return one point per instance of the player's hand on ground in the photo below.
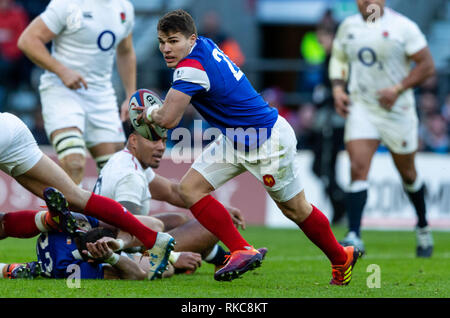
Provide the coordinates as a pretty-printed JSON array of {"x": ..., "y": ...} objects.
[
  {"x": 189, "y": 261},
  {"x": 341, "y": 101},
  {"x": 98, "y": 250},
  {"x": 387, "y": 97},
  {"x": 72, "y": 79},
  {"x": 237, "y": 217}
]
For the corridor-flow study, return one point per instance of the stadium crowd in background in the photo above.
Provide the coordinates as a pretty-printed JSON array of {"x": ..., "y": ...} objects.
[{"x": 434, "y": 111}]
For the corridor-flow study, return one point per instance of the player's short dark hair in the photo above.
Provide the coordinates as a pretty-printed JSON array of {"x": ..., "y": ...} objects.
[
  {"x": 93, "y": 236},
  {"x": 177, "y": 21}
]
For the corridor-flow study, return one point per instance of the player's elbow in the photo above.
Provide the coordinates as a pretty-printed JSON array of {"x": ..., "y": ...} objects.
[
  {"x": 431, "y": 68},
  {"x": 22, "y": 42}
]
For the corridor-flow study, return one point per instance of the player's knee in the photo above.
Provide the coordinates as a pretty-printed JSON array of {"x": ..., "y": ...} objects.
[
  {"x": 71, "y": 150},
  {"x": 157, "y": 225},
  {"x": 359, "y": 169},
  {"x": 187, "y": 193}
]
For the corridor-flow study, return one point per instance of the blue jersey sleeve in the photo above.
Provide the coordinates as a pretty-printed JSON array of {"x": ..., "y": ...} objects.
[
  {"x": 188, "y": 88},
  {"x": 190, "y": 77}
]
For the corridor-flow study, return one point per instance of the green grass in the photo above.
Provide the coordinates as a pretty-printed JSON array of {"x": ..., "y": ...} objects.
[{"x": 294, "y": 268}]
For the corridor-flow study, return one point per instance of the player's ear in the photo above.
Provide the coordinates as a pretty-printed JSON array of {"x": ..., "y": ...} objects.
[{"x": 192, "y": 39}]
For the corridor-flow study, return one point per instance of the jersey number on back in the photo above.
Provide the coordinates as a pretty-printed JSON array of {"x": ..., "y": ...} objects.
[{"x": 219, "y": 57}]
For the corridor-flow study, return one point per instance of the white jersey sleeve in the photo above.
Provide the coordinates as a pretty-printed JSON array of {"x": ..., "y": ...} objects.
[
  {"x": 338, "y": 50},
  {"x": 130, "y": 188},
  {"x": 150, "y": 175},
  {"x": 57, "y": 14},
  {"x": 414, "y": 38},
  {"x": 129, "y": 11},
  {"x": 338, "y": 66}
]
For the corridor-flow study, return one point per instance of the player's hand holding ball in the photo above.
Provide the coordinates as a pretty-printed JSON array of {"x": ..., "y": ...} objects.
[{"x": 141, "y": 105}]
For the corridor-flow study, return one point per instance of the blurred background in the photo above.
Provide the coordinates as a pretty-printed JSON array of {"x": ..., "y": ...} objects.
[{"x": 283, "y": 46}]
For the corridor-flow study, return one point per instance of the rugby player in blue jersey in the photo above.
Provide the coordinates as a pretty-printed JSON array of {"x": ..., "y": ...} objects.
[{"x": 253, "y": 138}]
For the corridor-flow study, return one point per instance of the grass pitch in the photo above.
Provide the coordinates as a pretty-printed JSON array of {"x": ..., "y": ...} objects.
[{"x": 293, "y": 268}]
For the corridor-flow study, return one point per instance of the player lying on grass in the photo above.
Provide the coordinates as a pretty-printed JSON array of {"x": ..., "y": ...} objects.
[
  {"x": 60, "y": 254},
  {"x": 91, "y": 249},
  {"x": 21, "y": 158}
]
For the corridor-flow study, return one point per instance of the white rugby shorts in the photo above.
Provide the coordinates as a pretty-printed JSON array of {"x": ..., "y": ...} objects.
[
  {"x": 273, "y": 163},
  {"x": 19, "y": 151},
  {"x": 96, "y": 115},
  {"x": 396, "y": 129}
]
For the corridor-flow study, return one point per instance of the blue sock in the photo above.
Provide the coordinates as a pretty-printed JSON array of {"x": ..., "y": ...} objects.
[
  {"x": 355, "y": 202},
  {"x": 418, "y": 200}
]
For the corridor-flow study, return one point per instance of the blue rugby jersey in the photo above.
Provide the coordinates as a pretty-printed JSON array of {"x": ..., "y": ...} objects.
[
  {"x": 57, "y": 251},
  {"x": 222, "y": 94}
]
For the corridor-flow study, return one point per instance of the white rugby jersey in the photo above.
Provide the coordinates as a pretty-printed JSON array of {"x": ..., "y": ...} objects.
[
  {"x": 124, "y": 179},
  {"x": 378, "y": 54},
  {"x": 88, "y": 32}
]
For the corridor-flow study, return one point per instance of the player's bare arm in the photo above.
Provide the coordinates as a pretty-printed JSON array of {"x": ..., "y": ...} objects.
[
  {"x": 126, "y": 66},
  {"x": 122, "y": 267},
  {"x": 32, "y": 43},
  {"x": 423, "y": 69},
  {"x": 170, "y": 114},
  {"x": 341, "y": 98}
]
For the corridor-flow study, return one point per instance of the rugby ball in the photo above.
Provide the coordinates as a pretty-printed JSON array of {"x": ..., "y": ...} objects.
[{"x": 145, "y": 98}]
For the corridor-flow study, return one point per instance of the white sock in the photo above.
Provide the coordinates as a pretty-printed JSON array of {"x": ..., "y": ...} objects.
[
  {"x": 412, "y": 188},
  {"x": 212, "y": 254},
  {"x": 358, "y": 186},
  {"x": 38, "y": 220},
  {"x": 2, "y": 265}
]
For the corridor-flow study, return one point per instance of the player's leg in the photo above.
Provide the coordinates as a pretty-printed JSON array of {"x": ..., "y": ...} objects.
[
  {"x": 195, "y": 191},
  {"x": 208, "y": 173},
  {"x": 64, "y": 121},
  {"x": 23, "y": 224},
  {"x": 360, "y": 153},
  {"x": 104, "y": 130},
  {"x": 71, "y": 150},
  {"x": 317, "y": 228},
  {"x": 415, "y": 189}
]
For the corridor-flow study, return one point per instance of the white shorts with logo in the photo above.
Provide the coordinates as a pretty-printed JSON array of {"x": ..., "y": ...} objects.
[
  {"x": 96, "y": 115},
  {"x": 273, "y": 163},
  {"x": 19, "y": 151},
  {"x": 396, "y": 129}
]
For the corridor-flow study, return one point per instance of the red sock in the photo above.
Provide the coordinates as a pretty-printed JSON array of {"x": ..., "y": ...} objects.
[
  {"x": 214, "y": 217},
  {"x": 317, "y": 228},
  {"x": 113, "y": 213},
  {"x": 20, "y": 224}
]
